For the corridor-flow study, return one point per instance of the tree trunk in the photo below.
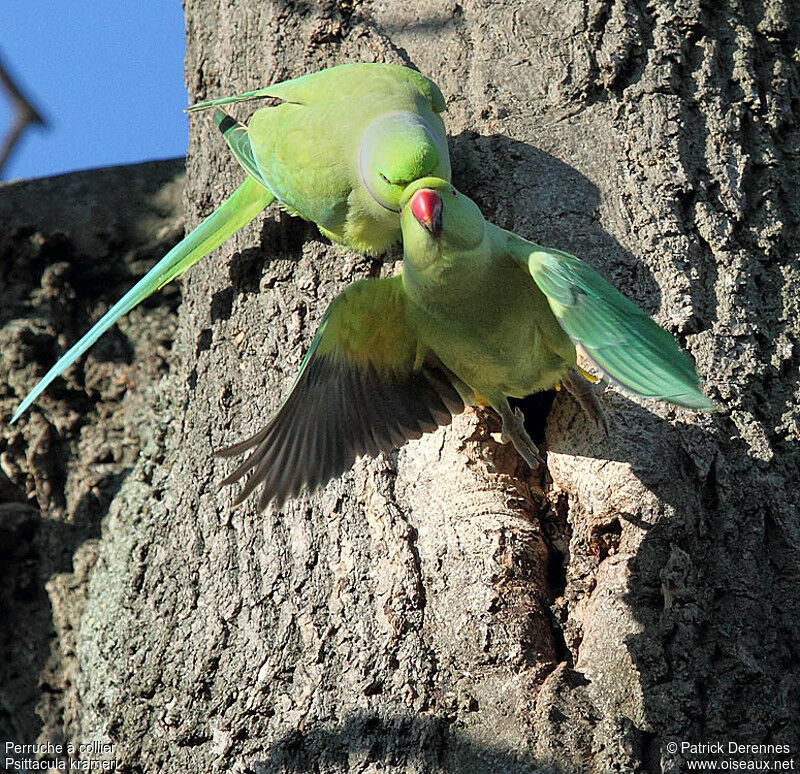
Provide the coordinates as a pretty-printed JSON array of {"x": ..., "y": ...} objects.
[{"x": 444, "y": 609}]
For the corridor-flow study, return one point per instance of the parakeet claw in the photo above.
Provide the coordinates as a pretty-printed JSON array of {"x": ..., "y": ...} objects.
[
  {"x": 583, "y": 391},
  {"x": 514, "y": 430}
]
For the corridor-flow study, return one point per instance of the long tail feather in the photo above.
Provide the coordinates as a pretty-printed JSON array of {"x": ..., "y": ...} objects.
[
  {"x": 248, "y": 95},
  {"x": 239, "y": 209}
]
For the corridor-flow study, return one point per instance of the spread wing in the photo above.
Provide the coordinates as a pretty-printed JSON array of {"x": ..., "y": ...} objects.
[
  {"x": 366, "y": 385},
  {"x": 616, "y": 334}
]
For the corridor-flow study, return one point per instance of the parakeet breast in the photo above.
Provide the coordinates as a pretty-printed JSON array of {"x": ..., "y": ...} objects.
[{"x": 489, "y": 323}]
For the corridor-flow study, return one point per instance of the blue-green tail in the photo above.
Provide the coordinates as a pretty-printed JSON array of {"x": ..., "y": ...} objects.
[{"x": 239, "y": 209}]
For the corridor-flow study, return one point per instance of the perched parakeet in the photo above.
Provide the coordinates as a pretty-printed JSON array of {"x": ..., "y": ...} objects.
[
  {"x": 339, "y": 150},
  {"x": 476, "y": 316}
]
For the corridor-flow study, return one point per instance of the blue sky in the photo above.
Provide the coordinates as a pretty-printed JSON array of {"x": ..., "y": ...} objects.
[{"x": 108, "y": 74}]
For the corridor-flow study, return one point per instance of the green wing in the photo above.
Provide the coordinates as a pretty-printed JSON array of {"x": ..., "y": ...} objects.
[
  {"x": 616, "y": 334},
  {"x": 301, "y": 91},
  {"x": 287, "y": 91},
  {"x": 321, "y": 85},
  {"x": 274, "y": 91},
  {"x": 240, "y": 208},
  {"x": 235, "y": 134},
  {"x": 365, "y": 386}
]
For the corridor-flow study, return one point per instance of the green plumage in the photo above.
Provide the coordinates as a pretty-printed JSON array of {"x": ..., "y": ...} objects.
[
  {"x": 618, "y": 336},
  {"x": 342, "y": 146},
  {"x": 477, "y": 315},
  {"x": 338, "y": 150},
  {"x": 238, "y": 210}
]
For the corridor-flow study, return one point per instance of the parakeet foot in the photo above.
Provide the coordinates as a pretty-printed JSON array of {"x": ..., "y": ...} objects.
[
  {"x": 514, "y": 430},
  {"x": 584, "y": 393}
]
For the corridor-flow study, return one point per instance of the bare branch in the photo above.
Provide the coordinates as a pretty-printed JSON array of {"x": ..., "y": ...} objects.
[{"x": 25, "y": 114}]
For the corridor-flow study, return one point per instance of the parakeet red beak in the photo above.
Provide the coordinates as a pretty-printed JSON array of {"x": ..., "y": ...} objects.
[{"x": 426, "y": 205}]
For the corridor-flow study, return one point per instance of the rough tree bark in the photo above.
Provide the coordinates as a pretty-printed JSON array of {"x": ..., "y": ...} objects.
[
  {"x": 445, "y": 609},
  {"x": 69, "y": 247}
]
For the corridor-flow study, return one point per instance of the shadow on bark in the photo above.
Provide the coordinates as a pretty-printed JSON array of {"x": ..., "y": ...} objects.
[{"x": 428, "y": 742}]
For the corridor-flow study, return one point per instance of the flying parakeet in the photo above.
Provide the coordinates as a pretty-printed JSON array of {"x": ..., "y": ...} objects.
[
  {"x": 476, "y": 316},
  {"x": 339, "y": 150}
]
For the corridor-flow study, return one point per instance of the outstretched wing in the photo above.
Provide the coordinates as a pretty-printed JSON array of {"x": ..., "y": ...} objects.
[
  {"x": 615, "y": 333},
  {"x": 366, "y": 385}
]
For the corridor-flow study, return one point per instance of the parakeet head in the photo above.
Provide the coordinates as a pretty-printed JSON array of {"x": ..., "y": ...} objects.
[
  {"x": 397, "y": 149},
  {"x": 435, "y": 218}
]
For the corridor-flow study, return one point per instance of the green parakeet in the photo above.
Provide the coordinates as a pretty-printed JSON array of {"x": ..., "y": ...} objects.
[
  {"x": 477, "y": 315},
  {"x": 338, "y": 150}
]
